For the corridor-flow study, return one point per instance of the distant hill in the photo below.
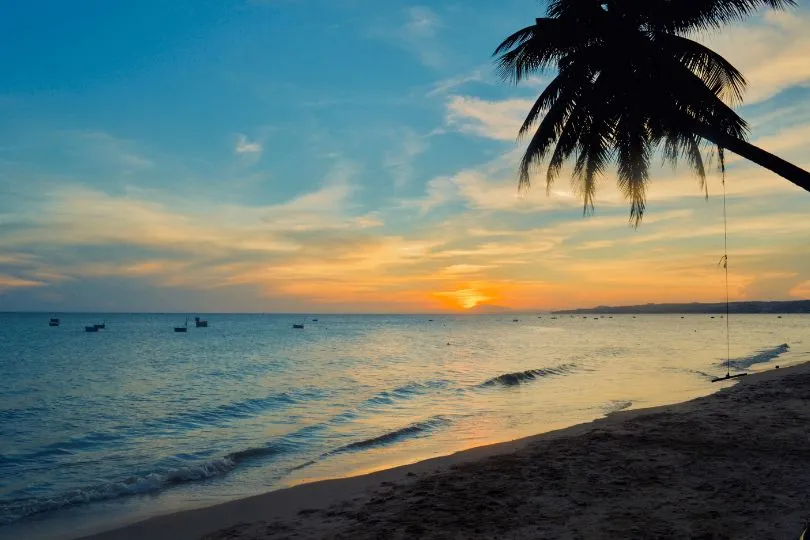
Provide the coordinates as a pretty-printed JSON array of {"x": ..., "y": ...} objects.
[
  {"x": 488, "y": 309},
  {"x": 793, "y": 306}
]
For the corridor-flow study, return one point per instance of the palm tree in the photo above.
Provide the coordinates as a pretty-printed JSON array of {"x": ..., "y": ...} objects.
[{"x": 630, "y": 82}]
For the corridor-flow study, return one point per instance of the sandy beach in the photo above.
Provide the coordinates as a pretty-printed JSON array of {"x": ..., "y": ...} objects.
[{"x": 735, "y": 464}]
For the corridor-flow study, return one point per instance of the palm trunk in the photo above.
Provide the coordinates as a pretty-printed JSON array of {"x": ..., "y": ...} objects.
[{"x": 786, "y": 170}]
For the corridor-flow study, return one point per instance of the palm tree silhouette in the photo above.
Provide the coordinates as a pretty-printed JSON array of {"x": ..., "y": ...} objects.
[{"x": 630, "y": 82}]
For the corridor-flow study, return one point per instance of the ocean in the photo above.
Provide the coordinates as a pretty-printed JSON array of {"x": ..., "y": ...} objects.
[{"x": 103, "y": 429}]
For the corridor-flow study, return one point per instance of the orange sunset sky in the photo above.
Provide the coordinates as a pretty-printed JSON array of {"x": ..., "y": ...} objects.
[{"x": 193, "y": 165}]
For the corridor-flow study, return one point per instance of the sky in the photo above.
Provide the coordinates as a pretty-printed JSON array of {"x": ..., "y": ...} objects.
[{"x": 351, "y": 156}]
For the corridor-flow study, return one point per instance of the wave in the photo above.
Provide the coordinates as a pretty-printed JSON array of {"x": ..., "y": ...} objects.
[
  {"x": 616, "y": 406},
  {"x": 513, "y": 379},
  {"x": 414, "y": 430},
  {"x": 239, "y": 409},
  {"x": 765, "y": 355},
  {"x": 14, "y": 510},
  {"x": 184, "y": 421},
  {"x": 407, "y": 391},
  {"x": 160, "y": 480}
]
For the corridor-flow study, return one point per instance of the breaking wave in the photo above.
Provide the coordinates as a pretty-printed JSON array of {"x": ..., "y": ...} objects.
[
  {"x": 616, "y": 406},
  {"x": 765, "y": 355},
  {"x": 414, "y": 430},
  {"x": 513, "y": 379},
  {"x": 180, "y": 422},
  {"x": 407, "y": 391},
  {"x": 158, "y": 480}
]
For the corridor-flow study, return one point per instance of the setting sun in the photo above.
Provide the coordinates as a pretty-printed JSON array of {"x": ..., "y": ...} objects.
[{"x": 464, "y": 298}]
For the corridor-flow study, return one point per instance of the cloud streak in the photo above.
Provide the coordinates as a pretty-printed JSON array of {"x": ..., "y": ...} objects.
[{"x": 245, "y": 146}]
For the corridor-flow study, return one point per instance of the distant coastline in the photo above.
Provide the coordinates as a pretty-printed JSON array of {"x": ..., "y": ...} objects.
[{"x": 782, "y": 307}]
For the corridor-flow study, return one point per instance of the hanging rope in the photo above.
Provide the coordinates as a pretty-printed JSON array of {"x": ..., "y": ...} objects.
[
  {"x": 724, "y": 263},
  {"x": 724, "y": 260}
]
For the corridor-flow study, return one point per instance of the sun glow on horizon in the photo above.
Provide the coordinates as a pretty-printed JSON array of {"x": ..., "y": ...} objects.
[{"x": 464, "y": 298}]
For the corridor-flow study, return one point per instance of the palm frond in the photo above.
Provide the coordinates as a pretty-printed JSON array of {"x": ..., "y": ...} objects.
[
  {"x": 697, "y": 15},
  {"x": 535, "y": 49},
  {"x": 686, "y": 145},
  {"x": 714, "y": 70},
  {"x": 596, "y": 143},
  {"x": 543, "y": 139},
  {"x": 567, "y": 144},
  {"x": 693, "y": 102},
  {"x": 695, "y": 158},
  {"x": 547, "y": 98},
  {"x": 633, "y": 142},
  {"x": 518, "y": 38},
  {"x": 579, "y": 10}
]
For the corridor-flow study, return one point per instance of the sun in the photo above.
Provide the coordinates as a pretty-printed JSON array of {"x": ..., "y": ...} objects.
[{"x": 464, "y": 298}]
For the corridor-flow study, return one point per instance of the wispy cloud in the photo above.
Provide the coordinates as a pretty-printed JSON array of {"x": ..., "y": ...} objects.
[
  {"x": 11, "y": 282},
  {"x": 445, "y": 86},
  {"x": 400, "y": 162},
  {"x": 417, "y": 33},
  {"x": 771, "y": 51},
  {"x": 102, "y": 148},
  {"x": 499, "y": 120},
  {"x": 245, "y": 146}
]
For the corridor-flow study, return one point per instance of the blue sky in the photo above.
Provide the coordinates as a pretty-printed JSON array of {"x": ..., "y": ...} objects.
[{"x": 304, "y": 155}]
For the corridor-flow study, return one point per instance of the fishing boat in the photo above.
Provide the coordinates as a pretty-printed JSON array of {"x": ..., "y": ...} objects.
[
  {"x": 314, "y": 320},
  {"x": 101, "y": 326},
  {"x": 182, "y": 329},
  {"x": 199, "y": 323},
  {"x": 54, "y": 322},
  {"x": 92, "y": 328},
  {"x": 298, "y": 326}
]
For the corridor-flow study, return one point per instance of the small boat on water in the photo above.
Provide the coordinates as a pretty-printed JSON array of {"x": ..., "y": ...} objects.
[
  {"x": 199, "y": 323},
  {"x": 314, "y": 320},
  {"x": 182, "y": 329},
  {"x": 298, "y": 326},
  {"x": 92, "y": 328},
  {"x": 54, "y": 322},
  {"x": 101, "y": 326}
]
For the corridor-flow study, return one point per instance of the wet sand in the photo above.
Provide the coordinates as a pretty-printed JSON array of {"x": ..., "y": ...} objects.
[{"x": 733, "y": 465}]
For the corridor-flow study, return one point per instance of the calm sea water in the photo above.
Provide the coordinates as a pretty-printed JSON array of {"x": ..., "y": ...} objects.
[{"x": 102, "y": 429}]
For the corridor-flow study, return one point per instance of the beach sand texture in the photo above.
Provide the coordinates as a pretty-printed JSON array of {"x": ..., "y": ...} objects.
[{"x": 733, "y": 465}]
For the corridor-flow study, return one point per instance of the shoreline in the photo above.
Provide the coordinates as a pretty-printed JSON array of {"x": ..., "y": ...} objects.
[{"x": 357, "y": 506}]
